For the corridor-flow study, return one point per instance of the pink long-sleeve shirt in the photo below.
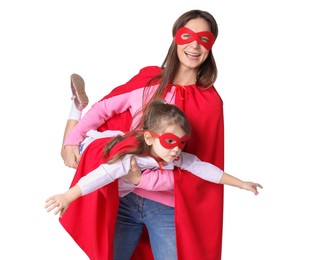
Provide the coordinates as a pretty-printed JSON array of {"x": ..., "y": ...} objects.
[
  {"x": 105, "y": 109},
  {"x": 158, "y": 182}
]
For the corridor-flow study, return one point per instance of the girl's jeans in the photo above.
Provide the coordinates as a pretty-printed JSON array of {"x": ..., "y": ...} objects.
[{"x": 135, "y": 211}]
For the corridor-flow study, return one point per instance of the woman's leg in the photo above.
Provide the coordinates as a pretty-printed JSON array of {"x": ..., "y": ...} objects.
[
  {"x": 79, "y": 102},
  {"x": 78, "y": 92}
]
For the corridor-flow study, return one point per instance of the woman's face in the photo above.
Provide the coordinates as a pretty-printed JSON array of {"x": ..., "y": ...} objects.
[{"x": 193, "y": 54}]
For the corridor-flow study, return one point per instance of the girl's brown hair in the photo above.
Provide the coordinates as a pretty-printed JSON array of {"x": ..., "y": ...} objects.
[{"x": 157, "y": 116}]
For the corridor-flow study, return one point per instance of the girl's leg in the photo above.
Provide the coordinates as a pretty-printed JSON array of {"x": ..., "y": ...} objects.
[
  {"x": 79, "y": 102},
  {"x": 129, "y": 226},
  {"x": 160, "y": 222},
  {"x": 135, "y": 212}
]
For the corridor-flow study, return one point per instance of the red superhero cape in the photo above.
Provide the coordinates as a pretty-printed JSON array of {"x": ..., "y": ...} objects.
[{"x": 90, "y": 220}]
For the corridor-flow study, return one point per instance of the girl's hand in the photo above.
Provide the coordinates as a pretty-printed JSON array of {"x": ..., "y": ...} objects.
[
  {"x": 251, "y": 186},
  {"x": 59, "y": 202}
]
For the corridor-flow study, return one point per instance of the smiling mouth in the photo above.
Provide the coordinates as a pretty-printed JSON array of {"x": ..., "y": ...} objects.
[{"x": 195, "y": 55}]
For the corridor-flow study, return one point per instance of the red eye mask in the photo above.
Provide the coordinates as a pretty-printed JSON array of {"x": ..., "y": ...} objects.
[
  {"x": 170, "y": 141},
  {"x": 184, "y": 35}
]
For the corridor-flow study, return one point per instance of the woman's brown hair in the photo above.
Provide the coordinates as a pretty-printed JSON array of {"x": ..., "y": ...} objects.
[{"x": 207, "y": 73}]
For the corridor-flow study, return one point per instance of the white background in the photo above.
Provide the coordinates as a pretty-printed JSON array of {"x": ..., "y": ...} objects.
[{"x": 273, "y": 63}]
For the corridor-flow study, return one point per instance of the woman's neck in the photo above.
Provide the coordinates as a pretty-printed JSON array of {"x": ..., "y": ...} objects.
[{"x": 185, "y": 76}]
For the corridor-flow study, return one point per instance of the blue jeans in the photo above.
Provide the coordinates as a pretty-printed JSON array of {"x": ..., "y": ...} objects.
[{"x": 135, "y": 212}]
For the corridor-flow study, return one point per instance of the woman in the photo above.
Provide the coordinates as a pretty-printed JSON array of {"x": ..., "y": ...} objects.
[{"x": 186, "y": 79}]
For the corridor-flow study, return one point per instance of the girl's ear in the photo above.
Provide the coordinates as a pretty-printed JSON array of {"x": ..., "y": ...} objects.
[{"x": 149, "y": 139}]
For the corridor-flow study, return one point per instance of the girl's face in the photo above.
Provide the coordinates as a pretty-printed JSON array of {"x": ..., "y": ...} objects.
[
  {"x": 174, "y": 144},
  {"x": 193, "y": 54}
]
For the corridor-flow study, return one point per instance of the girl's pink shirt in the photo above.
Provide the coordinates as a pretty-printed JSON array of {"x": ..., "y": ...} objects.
[{"x": 157, "y": 186}]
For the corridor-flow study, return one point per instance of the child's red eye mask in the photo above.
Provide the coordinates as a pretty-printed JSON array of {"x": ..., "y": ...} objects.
[
  {"x": 170, "y": 141},
  {"x": 184, "y": 35}
]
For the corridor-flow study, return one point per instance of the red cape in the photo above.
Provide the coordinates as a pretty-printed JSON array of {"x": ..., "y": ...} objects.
[{"x": 90, "y": 220}]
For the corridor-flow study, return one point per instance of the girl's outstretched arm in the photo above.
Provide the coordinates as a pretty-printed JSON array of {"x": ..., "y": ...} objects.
[
  {"x": 62, "y": 201},
  {"x": 246, "y": 185}
]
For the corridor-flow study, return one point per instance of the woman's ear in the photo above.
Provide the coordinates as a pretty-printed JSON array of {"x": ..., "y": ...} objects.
[{"x": 149, "y": 139}]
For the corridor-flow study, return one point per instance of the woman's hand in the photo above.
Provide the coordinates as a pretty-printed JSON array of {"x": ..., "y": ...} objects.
[
  {"x": 134, "y": 174},
  {"x": 71, "y": 155}
]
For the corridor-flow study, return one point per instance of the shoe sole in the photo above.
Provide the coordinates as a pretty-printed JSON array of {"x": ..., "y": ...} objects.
[{"x": 78, "y": 91}]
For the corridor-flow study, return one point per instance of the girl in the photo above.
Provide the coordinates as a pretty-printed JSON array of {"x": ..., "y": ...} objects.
[{"x": 165, "y": 133}]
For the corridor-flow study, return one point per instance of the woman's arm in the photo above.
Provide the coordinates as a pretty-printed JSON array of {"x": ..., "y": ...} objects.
[{"x": 97, "y": 115}]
